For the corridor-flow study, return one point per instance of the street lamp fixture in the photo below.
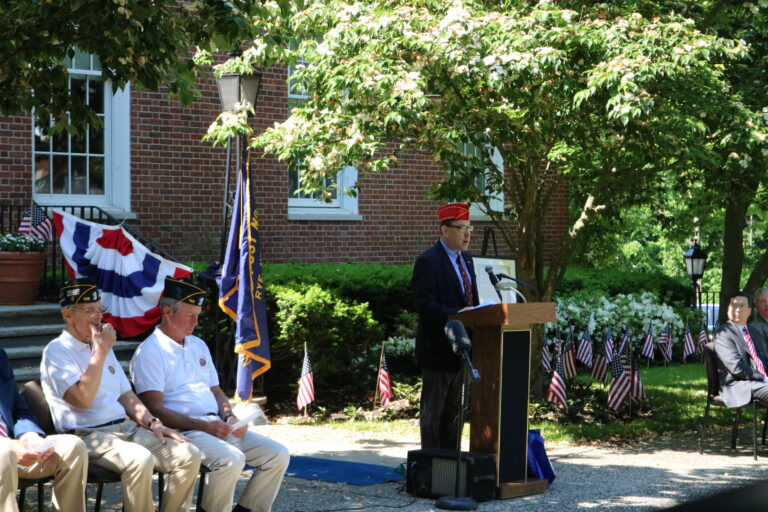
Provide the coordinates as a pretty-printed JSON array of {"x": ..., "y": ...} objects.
[
  {"x": 695, "y": 259},
  {"x": 239, "y": 89}
]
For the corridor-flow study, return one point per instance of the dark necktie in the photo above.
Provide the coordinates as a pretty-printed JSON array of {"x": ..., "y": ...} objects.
[
  {"x": 758, "y": 364},
  {"x": 465, "y": 278}
]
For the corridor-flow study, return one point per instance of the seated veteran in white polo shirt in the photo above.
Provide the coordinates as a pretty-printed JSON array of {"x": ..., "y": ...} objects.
[
  {"x": 90, "y": 396},
  {"x": 174, "y": 375}
]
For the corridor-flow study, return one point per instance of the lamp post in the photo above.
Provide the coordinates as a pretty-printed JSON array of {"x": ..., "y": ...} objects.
[
  {"x": 695, "y": 259},
  {"x": 236, "y": 92}
]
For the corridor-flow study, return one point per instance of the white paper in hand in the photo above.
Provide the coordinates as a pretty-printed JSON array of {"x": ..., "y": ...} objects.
[
  {"x": 250, "y": 413},
  {"x": 45, "y": 445}
]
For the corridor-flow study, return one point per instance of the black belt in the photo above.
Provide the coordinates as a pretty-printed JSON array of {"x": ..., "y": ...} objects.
[{"x": 113, "y": 422}]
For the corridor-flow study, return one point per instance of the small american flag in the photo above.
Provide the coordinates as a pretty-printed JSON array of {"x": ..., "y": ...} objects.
[
  {"x": 647, "y": 349},
  {"x": 621, "y": 384},
  {"x": 385, "y": 383},
  {"x": 569, "y": 355},
  {"x": 603, "y": 357},
  {"x": 688, "y": 346},
  {"x": 556, "y": 391},
  {"x": 546, "y": 356},
  {"x": 584, "y": 354},
  {"x": 307, "y": 385},
  {"x": 664, "y": 344},
  {"x": 703, "y": 338},
  {"x": 638, "y": 392},
  {"x": 36, "y": 223},
  {"x": 3, "y": 429}
]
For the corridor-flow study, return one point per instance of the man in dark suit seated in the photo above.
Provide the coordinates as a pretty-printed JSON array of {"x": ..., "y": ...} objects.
[
  {"x": 26, "y": 453},
  {"x": 443, "y": 283},
  {"x": 742, "y": 363}
]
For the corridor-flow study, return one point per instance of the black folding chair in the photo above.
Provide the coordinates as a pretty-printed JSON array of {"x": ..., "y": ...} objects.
[{"x": 714, "y": 398}]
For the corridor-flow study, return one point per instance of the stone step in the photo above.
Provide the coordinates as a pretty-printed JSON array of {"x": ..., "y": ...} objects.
[
  {"x": 37, "y": 351},
  {"x": 40, "y": 313}
]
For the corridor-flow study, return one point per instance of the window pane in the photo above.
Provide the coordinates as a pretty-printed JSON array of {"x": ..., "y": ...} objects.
[
  {"x": 82, "y": 60},
  {"x": 96, "y": 176},
  {"x": 96, "y": 136},
  {"x": 61, "y": 142},
  {"x": 79, "y": 175},
  {"x": 42, "y": 140},
  {"x": 96, "y": 95},
  {"x": 77, "y": 86},
  {"x": 78, "y": 140},
  {"x": 96, "y": 63},
  {"x": 43, "y": 174},
  {"x": 60, "y": 175}
]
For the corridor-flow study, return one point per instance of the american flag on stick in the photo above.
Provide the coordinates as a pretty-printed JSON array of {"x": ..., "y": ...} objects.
[
  {"x": 569, "y": 355},
  {"x": 703, "y": 338},
  {"x": 688, "y": 346},
  {"x": 556, "y": 391},
  {"x": 621, "y": 383},
  {"x": 546, "y": 356},
  {"x": 584, "y": 354},
  {"x": 385, "y": 383},
  {"x": 603, "y": 357},
  {"x": 638, "y": 392},
  {"x": 647, "y": 349},
  {"x": 664, "y": 343},
  {"x": 306, "y": 385},
  {"x": 36, "y": 223}
]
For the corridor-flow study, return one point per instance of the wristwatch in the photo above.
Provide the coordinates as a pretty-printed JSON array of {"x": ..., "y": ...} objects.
[{"x": 152, "y": 421}]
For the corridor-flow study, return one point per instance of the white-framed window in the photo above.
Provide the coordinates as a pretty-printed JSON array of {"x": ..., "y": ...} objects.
[
  {"x": 303, "y": 206},
  {"x": 92, "y": 166},
  {"x": 497, "y": 203}
]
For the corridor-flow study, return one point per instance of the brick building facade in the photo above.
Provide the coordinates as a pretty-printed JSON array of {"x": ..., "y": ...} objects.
[{"x": 169, "y": 185}]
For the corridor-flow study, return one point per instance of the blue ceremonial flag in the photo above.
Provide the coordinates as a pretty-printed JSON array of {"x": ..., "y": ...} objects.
[{"x": 241, "y": 291}]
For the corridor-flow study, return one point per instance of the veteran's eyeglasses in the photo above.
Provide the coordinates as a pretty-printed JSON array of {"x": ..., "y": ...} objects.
[
  {"x": 91, "y": 311},
  {"x": 463, "y": 229}
]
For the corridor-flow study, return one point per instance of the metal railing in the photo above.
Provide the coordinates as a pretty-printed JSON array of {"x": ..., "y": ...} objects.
[{"x": 220, "y": 338}]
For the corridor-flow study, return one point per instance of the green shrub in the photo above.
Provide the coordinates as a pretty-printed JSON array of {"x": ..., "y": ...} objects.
[
  {"x": 338, "y": 334},
  {"x": 669, "y": 290},
  {"x": 386, "y": 288}
]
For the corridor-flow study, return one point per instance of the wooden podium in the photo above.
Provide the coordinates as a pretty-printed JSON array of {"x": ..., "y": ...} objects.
[{"x": 501, "y": 352}]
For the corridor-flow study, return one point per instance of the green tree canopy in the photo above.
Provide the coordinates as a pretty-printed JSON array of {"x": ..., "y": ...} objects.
[
  {"x": 138, "y": 41},
  {"x": 602, "y": 99}
]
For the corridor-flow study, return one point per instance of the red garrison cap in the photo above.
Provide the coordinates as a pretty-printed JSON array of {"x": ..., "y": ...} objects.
[{"x": 453, "y": 211}]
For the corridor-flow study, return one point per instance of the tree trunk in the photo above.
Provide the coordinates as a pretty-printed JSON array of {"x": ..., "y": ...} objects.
[{"x": 733, "y": 246}]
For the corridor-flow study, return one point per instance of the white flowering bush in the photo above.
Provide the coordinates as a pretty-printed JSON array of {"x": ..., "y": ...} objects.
[
  {"x": 10, "y": 242},
  {"x": 632, "y": 311}
]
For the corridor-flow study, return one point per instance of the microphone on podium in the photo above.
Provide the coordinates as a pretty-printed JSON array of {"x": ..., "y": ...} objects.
[{"x": 461, "y": 344}]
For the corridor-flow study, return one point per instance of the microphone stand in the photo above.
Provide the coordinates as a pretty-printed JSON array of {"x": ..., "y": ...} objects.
[{"x": 457, "y": 502}]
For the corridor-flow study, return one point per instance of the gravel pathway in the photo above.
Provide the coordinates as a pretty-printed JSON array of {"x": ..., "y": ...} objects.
[{"x": 649, "y": 476}]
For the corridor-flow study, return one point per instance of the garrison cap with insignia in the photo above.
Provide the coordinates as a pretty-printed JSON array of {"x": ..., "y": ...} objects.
[
  {"x": 183, "y": 290},
  {"x": 79, "y": 291}
]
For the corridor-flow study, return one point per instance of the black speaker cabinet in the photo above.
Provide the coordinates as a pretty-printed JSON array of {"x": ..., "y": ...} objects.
[{"x": 432, "y": 474}]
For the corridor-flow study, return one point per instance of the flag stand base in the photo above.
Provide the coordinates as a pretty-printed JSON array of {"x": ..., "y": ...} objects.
[{"x": 521, "y": 488}]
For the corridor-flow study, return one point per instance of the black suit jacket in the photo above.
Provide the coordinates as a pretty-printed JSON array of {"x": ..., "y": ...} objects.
[
  {"x": 17, "y": 416},
  {"x": 438, "y": 294},
  {"x": 737, "y": 375}
]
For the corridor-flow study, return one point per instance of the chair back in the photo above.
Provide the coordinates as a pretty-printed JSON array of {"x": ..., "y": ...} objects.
[
  {"x": 33, "y": 394},
  {"x": 710, "y": 365}
]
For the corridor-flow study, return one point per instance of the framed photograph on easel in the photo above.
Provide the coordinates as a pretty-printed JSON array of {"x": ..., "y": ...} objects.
[{"x": 506, "y": 266}]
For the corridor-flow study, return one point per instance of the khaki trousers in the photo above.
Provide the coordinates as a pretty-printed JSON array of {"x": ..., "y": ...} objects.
[
  {"x": 68, "y": 465},
  {"x": 226, "y": 459},
  {"x": 134, "y": 452}
]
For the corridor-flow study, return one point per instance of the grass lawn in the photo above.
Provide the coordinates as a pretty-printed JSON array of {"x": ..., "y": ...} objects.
[{"x": 676, "y": 399}]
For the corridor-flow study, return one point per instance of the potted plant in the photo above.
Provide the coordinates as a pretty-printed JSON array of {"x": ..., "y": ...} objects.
[{"x": 21, "y": 264}]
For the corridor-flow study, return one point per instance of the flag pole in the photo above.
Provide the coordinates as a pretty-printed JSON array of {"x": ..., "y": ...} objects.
[{"x": 306, "y": 414}]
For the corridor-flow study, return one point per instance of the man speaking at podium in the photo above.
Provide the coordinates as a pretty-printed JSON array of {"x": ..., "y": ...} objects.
[{"x": 443, "y": 284}]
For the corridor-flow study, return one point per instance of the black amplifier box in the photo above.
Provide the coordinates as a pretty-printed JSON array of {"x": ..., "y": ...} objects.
[{"x": 432, "y": 474}]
